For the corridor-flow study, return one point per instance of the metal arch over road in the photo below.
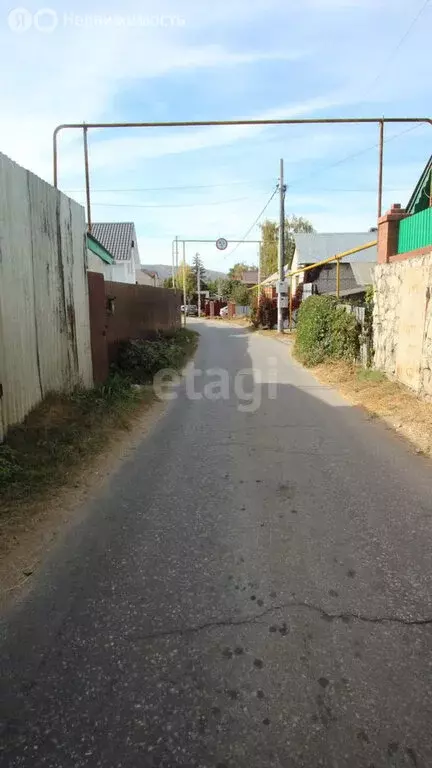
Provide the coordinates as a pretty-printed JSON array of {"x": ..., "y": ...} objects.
[{"x": 379, "y": 121}]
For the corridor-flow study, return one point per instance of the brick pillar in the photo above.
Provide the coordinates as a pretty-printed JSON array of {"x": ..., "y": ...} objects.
[{"x": 388, "y": 231}]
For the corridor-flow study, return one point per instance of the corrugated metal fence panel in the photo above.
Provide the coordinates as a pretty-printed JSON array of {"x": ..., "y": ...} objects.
[
  {"x": 43, "y": 290},
  {"x": 415, "y": 231},
  {"x": 19, "y": 365},
  {"x": 358, "y": 312},
  {"x": 242, "y": 310}
]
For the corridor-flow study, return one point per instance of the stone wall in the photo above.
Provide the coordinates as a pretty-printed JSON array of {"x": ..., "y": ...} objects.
[{"x": 403, "y": 322}]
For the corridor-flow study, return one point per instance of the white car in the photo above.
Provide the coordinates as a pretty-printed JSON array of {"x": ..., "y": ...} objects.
[{"x": 224, "y": 312}]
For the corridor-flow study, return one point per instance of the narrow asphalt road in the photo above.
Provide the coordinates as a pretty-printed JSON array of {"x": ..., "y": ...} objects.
[{"x": 252, "y": 589}]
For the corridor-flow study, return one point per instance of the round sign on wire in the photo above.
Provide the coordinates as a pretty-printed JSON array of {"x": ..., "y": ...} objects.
[{"x": 221, "y": 244}]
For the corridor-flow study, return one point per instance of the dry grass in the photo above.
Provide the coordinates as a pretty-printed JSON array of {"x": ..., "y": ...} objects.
[
  {"x": 243, "y": 321},
  {"x": 388, "y": 400},
  {"x": 55, "y": 443},
  {"x": 287, "y": 337},
  {"x": 62, "y": 436}
]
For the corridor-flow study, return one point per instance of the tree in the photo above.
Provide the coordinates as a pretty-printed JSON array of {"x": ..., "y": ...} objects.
[
  {"x": 269, "y": 248},
  {"x": 236, "y": 272},
  {"x": 270, "y": 241},
  {"x": 213, "y": 287},
  {"x": 225, "y": 288},
  {"x": 178, "y": 280},
  {"x": 240, "y": 294},
  {"x": 198, "y": 268},
  {"x": 234, "y": 290}
]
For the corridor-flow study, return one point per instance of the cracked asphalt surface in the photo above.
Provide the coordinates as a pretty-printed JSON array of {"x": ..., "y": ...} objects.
[{"x": 250, "y": 590}]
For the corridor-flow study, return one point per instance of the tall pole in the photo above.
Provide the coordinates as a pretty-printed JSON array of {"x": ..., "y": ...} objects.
[
  {"x": 176, "y": 258},
  {"x": 172, "y": 264},
  {"x": 184, "y": 279},
  {"x": 281, "y": 245},
  {"x": 259, "y": 274},
  {"x": 380, "y": 167},
  {"x": 87, "y": 178},
  {"x": 198, "y": 284},
  {"x": 338, "y": 278}
]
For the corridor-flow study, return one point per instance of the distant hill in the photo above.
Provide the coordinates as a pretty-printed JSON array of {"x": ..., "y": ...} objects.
[{"x": 164, "y": 271}]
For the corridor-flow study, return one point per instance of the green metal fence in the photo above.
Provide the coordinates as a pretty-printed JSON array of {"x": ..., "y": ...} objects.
[{"x": 415, "y": 231}]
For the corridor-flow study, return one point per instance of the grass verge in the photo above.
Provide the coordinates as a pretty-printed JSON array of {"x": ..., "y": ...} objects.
[
  {"x": 62, "y": 434},
  {"x": 401, "y": 409}
]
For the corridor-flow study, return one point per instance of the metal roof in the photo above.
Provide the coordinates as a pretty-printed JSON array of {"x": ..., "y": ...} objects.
[
  {"x": 250, "y": 276},
  {"x": 349, "y": 292},
  {"x": 318, "y": 246},
  {"x": 117, "y": 237},
  {"x": 362, "y": 273},
  {"x": 98, "y": 249},
  {"x": 420, "y": 197}
]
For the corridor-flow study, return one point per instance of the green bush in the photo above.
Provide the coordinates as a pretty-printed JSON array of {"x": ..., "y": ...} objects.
[
  {"x": 326, "y": 331},
  {"x": 141, "y": 359}
]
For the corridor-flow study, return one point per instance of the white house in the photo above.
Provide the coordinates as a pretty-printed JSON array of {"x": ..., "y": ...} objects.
[
  {"x": 98, "y": 258},
  {"x": 148, "y": 277},
  {"x": 120, "y": 240}
]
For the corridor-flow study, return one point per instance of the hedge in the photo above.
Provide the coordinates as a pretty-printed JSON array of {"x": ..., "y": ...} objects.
[{"x": 325, "y": 330}]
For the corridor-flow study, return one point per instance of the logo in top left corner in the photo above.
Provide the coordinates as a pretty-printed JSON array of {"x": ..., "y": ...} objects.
[{"x": 20, "y": 20}]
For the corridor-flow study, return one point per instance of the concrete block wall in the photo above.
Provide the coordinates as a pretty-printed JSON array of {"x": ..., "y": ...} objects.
[{"x": 403, "y": 321}]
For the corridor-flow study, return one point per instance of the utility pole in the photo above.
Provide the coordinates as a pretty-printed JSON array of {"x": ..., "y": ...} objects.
[
  {"x": 172, "y": 263},
  {"x": 281, "y": 247},
  {"x": 259, "y": 274},
  {"x": 198, "y": 283},
  {"x": 174, "y": 274},
  {"x": 184, "y": 281}
]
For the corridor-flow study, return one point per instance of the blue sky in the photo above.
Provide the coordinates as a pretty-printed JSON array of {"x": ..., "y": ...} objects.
[{"x": 180, "y": 60}]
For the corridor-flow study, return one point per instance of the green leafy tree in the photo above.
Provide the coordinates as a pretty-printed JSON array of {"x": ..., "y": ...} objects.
[
  {"x": 213, "y": 287},
  {"x": 236, "y": 272},
  {"x": 225, "y": 287},
  {"x": 178, "y": 281},
  {"x": 270, "y": 242},
  {"x": 240, "y": 294},
  {"x": 234, "y": 290}
]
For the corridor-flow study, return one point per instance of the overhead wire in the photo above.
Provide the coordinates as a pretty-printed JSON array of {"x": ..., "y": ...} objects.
[
  {"x": 170, "y": 205},
  {"x": 399, "y": 44},
  {"x": 241, "y": 242},
  {"x": 353, "y": 155},
  {"x": 173, "y": 187}
]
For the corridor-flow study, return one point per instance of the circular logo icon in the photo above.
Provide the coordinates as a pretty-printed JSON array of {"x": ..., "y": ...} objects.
[
  {"x": 221, "y": 244},
  {"x": 20, "y": 20},
  {"x": 45, "y": 20}
]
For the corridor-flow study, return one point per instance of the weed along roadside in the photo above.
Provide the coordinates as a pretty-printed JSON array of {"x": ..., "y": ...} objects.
[
  {"x": 62, "y": 436},
  {"x": 328, "y": 341}
]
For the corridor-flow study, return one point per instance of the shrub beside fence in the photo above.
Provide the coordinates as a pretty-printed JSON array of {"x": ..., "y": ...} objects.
[
  {"x": 327, "y": 330},
  {"x": 120, "y": 312}
]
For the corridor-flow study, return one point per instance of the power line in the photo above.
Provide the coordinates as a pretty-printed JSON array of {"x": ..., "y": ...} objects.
[
  {"x": 255, "y": 222},
  {"x": 353, "y": 155},
  {"x": 166, "y": 189},
  {"x": 400, "y": 43},
  {"x": 175, "y": 205},
  {"x": 351, "y": 189}
]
